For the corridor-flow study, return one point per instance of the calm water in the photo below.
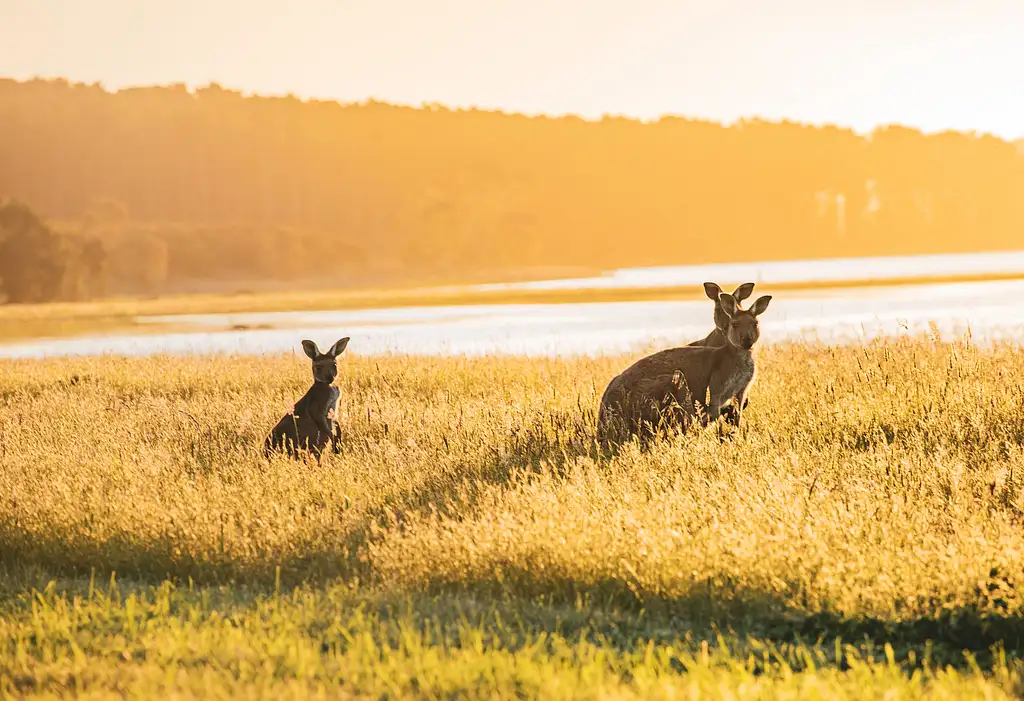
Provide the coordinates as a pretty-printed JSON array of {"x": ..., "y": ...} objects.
[
  {"x": 828, "y": 270},
  {"x": 992, "y": 310}
]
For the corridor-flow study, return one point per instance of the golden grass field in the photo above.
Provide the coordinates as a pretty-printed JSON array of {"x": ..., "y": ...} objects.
[{"x": 861, "y": 537}]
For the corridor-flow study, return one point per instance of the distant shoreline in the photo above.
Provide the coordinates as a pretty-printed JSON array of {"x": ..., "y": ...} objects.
[{"x": 149, "y": 316}]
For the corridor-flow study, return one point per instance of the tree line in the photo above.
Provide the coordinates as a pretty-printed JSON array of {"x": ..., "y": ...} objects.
[{"x": 210, "y": 185}]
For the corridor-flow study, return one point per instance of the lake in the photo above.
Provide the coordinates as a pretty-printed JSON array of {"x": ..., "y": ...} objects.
[
  {"x": 878, "y": 268},
  {"x": 991, "y": 310}
]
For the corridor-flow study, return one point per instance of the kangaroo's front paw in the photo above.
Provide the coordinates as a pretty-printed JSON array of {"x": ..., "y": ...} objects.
[{"x": 730, "y": 414}]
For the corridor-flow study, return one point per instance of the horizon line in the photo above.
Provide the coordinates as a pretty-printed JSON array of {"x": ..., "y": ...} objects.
[{"x": 193, "y": 89}]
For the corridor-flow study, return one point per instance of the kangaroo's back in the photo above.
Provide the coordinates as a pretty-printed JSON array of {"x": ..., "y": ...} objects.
[
  {"x": 715, "y": 338},
  {"x": 663, "y": 388},
  {"x": 695, "y": 362}
]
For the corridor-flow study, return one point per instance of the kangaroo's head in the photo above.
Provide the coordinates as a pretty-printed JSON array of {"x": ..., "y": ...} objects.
[
  {"x": 713, "y": 291},
  {"x": 742, "y": 329},
  {"x": 325, "y": 365}
]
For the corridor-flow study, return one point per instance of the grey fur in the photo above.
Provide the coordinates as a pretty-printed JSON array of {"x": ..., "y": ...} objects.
[
  {"x": 680, "y": 386},
  {"x": 713, "y": 291},
  {"x": 717, "y": 335},
  {"x": 313, "y": 421}
]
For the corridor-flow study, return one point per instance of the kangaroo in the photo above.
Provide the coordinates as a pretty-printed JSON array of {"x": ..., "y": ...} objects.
[
  {"x": 313, "y": 421},
  {"x": 713, "y": 291},
  {"x": 717, "y": 336},
  {"x": 694, "y": 382},
  {"x": 653, "y": 402}
]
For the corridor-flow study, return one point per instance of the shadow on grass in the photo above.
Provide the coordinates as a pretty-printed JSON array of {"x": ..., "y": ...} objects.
[
  {"x": 758, "y": 629},
  {"x": 617, "y": 610},
  {"x": 622, "y": 609}
]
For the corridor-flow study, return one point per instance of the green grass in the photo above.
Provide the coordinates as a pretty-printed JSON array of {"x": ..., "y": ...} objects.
[
  {"x": 337, "y": 642},
  {"x": 860, "y": 537}
]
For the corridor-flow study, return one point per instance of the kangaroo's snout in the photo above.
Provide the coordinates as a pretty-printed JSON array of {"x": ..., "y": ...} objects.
[
  {"x": 325, "y": 371},
  {"x": 743, "y": 331}
]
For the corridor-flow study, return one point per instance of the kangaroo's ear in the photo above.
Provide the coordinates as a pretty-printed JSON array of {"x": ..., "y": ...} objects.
[
  {"x": 339, "y": 347},
  {"x": 728, "y": 303},
  {"x": 743, "y": 291},
  {"x": 758, "y": 307},
  {"x": 310, "y": 349},
  {"x": 712, "y": 291}
]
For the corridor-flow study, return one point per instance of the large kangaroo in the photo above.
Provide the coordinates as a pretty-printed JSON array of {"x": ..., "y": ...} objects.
[
  {"x": 682, "y": 385},
  {"x": 313, "y": 421},
  {"x": 717, "y": 336}
]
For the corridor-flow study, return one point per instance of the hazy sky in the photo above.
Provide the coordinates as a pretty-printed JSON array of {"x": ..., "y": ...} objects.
[{"x": 930, "y": 63}]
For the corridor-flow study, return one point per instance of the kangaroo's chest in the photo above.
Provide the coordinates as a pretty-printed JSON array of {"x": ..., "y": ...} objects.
[
  {"x": 331, "y": 405},
  {"x": 742, "y": 376}
]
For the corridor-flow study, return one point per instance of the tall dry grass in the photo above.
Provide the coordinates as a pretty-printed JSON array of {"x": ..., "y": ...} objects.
[{"x": 873, "y": 495}]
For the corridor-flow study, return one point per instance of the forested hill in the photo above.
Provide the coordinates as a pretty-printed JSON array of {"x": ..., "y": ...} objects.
[{"x": 261, "y": 186}]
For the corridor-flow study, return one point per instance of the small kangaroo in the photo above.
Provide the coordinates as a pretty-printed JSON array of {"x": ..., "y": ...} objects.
[
  {"x": 717, "y": 336},
  {"x": 713, "y": 291},
  {"x": 313, "y": 421},
  {"x": 693, "y": 380}
]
